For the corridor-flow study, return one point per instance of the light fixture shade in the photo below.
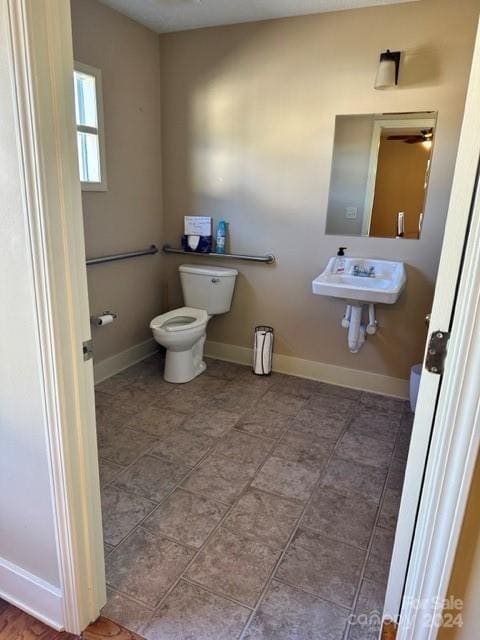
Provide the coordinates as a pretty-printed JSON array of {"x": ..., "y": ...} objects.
[{"x": 387, "y": 72}]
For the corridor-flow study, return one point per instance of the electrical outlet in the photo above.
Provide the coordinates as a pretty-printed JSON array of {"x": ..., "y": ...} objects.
[{"x": 351, "y": 213}]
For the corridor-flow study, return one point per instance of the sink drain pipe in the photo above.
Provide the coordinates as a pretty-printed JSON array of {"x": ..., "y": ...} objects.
[{"x": 357, "y": 331}]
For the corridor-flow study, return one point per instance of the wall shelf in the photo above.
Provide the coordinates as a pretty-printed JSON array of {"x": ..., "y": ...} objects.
[{"x": 267, "y": 259}]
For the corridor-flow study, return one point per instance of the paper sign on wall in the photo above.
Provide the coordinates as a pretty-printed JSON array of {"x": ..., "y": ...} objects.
[{"x": 198, "y": 226}]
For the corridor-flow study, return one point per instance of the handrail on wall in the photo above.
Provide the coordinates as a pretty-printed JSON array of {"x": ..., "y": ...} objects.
[
  {"x": 123, "y": 256},
  {"x": 267, "y": 259}
]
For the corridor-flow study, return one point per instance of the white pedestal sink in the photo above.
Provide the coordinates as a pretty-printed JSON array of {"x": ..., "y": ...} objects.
[{"x": 363, "y": 282}]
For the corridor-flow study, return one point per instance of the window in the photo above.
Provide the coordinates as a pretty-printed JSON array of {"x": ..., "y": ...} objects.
[{"x": 89, "y": 119}]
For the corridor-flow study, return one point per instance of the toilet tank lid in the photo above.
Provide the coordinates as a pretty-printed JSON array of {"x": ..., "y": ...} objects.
[{"x": 204, "y": 270}]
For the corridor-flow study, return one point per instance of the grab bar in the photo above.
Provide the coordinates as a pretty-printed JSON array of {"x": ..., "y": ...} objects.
[
  {"x": 123, "y": 256},
  {"x": 268, "y": 259}
]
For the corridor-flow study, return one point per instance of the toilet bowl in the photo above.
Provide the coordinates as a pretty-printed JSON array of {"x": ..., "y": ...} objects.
[
  {"x": 182, "y": 332},
  {"x": 207, "y": 291}
]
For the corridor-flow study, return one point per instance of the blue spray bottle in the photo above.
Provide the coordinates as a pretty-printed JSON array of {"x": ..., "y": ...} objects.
[{"x": 221, "y": 234}]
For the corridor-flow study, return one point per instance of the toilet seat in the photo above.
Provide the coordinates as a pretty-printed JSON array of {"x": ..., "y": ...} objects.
[{"x": 181, "y": 319}]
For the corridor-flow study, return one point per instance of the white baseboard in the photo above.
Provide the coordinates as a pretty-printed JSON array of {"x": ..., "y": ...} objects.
[
  {"x": 31, "y": 594},
  {"x": 120, "y": 361},
  {"x": 352, "y": 378}
]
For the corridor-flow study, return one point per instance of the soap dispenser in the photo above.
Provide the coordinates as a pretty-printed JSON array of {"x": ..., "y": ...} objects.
[{"x": 340, "y": 261}]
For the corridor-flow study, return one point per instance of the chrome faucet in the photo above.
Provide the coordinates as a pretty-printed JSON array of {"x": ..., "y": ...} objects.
[{"x": 363, "y": 272}]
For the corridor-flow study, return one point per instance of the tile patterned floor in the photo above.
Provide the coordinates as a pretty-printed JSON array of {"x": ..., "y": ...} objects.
[{"x": 243, "y": 507}]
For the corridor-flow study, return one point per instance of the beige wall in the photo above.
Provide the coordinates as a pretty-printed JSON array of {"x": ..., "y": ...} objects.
[
  {"x": 129, "y": 215},
  {"x": 248, "y": 115},
  {"x": 349, "y": 174},
  {"x": 465, "y": 580}
]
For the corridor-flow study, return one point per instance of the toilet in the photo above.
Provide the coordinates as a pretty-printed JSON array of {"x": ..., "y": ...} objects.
[{"x": 207, "y": 291}]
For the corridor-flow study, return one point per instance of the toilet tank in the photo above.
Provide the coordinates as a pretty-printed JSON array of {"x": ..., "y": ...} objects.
[{"x": 208, "y": 288}]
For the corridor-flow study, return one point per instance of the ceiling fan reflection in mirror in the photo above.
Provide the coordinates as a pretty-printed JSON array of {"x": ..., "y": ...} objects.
[{"x": 425, "y": 135}]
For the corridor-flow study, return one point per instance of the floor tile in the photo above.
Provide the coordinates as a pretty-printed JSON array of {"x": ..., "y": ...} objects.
[
  {"x": 320, "y": 422},
  {"x": 122, "y": 512},
  {"x": 220, "y": 478},
  {"x": 132, "y": 399},
  {"x": 266, "y": 518},
  {"x": 383, "y": 403},
  {"x": 108, "y": 418},
  {"x": 110, "y": 386},
  {"x": 233, "y": 565},
  {"x": 184, "y": 400},
  {"x": 187, "y": 518},
  {"x": 402, "y": 443},
  {"x": 390, "y": 508},
  {"x": 107, "y": 548},
  {"x": 154, "y": 385},
  {"x": 374, "y": 424},
  {"x": 157, "y": 421},
  {"x": 253, "y": 384},
  {"x": 304, "y": 448},
  {"x": 289, "y": 614},
  {"x": 301, "y": 387},
  {"x": 191, "y": 613},
  {"x": 365, "y": 623},
  {"x": 263, "y": 422},
  {"x": 151, "y": 477},
  {"x": 108, "y": 471},
  {"x": 224, "y": 370},
  {"x": 184, "y": 447},
  {"x": 325, "y": 567},
  {"x": 146, "y": 565},
  {"x": 233, "y": 399},
  {"x": 286, "y": 478},
  {"x": 396, "y": 475},
  {"x": 332, "y": 405},
  {"x": 378, "y": 563},
  {"x": 123, "y": 446},
  {"x": 349, "y": 477},
  {"x": 103, "y": 399},
  {"x": 346, "y": 393},
  {"x": 159, "y": 431},
  {"x": 348, "y": 518},
  {"x": 243, "y": 448},
  {"x": 281, "y": 402},
  {"x": 212, "y": 422},
  {"x": 371, "y": 451},
  {"x": 125, "y": 611}
]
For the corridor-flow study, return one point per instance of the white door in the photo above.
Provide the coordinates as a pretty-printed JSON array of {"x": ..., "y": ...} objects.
[
  {"x": 462, "y": 202},
  {"x": 36, "y": 41}
]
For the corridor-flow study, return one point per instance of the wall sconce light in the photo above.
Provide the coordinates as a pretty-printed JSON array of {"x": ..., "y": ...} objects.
[{"x": 387, "y": 72}]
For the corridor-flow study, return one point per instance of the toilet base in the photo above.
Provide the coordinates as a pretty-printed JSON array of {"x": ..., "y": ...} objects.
[{"x": 183, "y": 366}]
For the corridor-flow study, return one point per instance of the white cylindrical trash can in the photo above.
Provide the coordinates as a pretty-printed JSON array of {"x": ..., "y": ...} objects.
[
  {"x": 262, "y": 351},
  {"x": 415, "y": 375}
]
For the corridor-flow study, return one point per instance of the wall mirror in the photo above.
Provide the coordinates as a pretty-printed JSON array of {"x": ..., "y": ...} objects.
[{"x": 380, "y": 171}]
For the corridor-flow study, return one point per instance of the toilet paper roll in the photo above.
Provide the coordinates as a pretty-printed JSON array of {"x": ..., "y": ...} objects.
[
  {"x": 106, "y": 318},
  {"x": 262, "y": 352}
]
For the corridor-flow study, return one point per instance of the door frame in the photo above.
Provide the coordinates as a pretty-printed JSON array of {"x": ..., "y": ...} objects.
[
  {"x": 39, "y": 45},
  {"x": 378, "y": 124},
  {"x": 42, "y": 66},
  {"x": 433, "y": 502}
]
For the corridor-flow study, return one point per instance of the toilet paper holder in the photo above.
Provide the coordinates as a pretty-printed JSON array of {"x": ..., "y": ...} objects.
[{"x": 104, "y": 318}]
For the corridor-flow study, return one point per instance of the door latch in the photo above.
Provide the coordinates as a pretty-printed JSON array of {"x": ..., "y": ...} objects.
[
  {"x": 437, "y": 351},
  {"x": 87, "y": 350}
]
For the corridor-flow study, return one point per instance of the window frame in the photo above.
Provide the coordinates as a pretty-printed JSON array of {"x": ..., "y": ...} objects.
[{"x": 99, "y": 130}]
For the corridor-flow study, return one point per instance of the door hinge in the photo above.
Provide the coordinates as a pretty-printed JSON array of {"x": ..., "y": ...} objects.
[
  {"x": 437, "y": 351},
  {"x": 88, "y": 350}
]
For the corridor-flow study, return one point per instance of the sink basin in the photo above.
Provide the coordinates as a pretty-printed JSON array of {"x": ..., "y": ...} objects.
[{"x": 383, "y": 287}]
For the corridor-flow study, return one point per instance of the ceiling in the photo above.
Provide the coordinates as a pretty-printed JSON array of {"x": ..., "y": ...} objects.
[{"x": 179, "y": 15}]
